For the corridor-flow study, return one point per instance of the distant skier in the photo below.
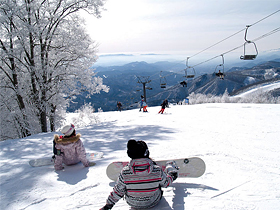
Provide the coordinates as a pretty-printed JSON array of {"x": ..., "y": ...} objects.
[
  {"x": 68, "y": 149},
  {"x": 141, "y": 105},
  {"x": 119, "y": 105},
  {"x": 140, "y": 182},
  {"x": 145, "y": 106},
  {"x": 163, "y": 106}
]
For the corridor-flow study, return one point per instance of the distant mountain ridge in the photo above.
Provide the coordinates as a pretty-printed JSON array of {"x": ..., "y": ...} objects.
[{"x": 124, "y": 86}]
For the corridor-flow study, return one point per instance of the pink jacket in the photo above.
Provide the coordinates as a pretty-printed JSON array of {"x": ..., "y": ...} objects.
[{"x": 72, "y": 151}]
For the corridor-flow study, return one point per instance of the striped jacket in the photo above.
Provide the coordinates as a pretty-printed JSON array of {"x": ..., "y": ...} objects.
[{"x": 140, "y": 182}]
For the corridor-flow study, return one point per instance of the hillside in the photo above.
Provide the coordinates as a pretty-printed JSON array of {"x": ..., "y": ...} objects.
[
  {"x": 124, "y": 86},
  {"x": 238, "y": 142},
  {"x": 234, "y": 81}
]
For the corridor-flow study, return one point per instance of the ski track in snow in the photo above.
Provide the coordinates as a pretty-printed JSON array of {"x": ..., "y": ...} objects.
[
  {"x": 59, "y": 197},
  {"x": 238, "y": 142}
]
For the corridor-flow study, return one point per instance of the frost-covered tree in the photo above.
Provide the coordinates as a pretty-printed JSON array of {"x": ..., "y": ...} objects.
[
  {"x": 12, "y": 103},
  {"x": 45, "y": 60}
]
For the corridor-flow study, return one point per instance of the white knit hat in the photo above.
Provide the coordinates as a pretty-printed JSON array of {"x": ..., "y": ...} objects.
[{"x": 68, "y": 130}]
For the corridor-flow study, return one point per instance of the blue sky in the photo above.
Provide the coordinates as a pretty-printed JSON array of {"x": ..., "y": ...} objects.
[{"x": 183, "y": 27}]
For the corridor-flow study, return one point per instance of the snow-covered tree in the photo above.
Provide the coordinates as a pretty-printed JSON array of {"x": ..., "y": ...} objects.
[
  {"x": 12, "y": 102},
  {"x": 46, "y": 57}
]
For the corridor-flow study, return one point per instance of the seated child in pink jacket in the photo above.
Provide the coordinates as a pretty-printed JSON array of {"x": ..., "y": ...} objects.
[{"x": 69, "y": 149}]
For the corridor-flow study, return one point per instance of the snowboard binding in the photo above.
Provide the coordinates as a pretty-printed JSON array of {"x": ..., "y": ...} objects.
[
  {"x": 171, "y": 166},
  {"x": 172, "y": 169}
]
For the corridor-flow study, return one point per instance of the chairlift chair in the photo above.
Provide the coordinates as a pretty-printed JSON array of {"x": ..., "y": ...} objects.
[
  {"x": 163, "y": 85},
  {"x": 220, "y": 69},
  {"x": 250, "y": 56},
  {"x": 219, "y": 72},
  {"x": 189, "y": 73},
  {"x": 162, "y": 81}
]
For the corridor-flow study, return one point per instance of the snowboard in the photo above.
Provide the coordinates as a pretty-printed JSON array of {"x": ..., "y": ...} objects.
[
  {"x": 50, "y": 161},
  {"x": 192, "y": 167}
]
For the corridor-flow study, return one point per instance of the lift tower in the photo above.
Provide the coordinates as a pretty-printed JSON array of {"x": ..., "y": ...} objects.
[{"x": 144, "y": 80}]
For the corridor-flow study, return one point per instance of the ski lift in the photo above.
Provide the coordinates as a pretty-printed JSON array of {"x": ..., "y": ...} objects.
[
  {"x": 220, "y": 69},
  {"x": 252, "y": 56},
  {"x": 189, "y": 73},
  {"x": 162, "y": 81}
]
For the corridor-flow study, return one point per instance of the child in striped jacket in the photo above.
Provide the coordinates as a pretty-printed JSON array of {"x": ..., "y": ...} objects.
[{"x": 140, "y": 182}]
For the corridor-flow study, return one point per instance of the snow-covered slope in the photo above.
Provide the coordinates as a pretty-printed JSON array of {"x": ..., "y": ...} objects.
[
  {"x": 238, "y": 142},
  {"x": 260, "y": 88}
]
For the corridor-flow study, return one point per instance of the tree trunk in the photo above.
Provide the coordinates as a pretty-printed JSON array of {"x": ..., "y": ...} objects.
[
  {"x": 43, "y": 120},
  {"x": 52, "y": 117}
]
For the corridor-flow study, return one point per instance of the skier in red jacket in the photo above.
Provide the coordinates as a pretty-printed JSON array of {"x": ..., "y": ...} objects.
[
  {"x": 140, "y": 182},
  {"x": 163, "y": 106}
]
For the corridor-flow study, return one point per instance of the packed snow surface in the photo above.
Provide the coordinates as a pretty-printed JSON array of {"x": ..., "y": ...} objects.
[{"x": 240, "y": 144}]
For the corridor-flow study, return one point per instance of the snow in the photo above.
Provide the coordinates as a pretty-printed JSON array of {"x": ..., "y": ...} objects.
[
  {"x": 238, "y": 142},
  {"x": 261, "y": 88},
  {"x": 249, "y": 80}
]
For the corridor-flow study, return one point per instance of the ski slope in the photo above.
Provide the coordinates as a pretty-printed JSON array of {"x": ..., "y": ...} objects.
[
  {"x": 262, "y": 88},
  {"x": 238, "y": 142}
]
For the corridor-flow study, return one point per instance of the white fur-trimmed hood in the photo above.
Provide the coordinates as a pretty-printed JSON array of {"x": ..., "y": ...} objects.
[{"x": 69, "y": 140}]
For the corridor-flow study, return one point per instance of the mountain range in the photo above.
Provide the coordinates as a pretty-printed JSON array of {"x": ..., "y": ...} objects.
[{"x": 126, "y": 83}]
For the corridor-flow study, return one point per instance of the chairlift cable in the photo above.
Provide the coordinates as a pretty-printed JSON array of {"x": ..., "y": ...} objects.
[
  {"x": 235, "y": 33},
  {"x": 177, "y": 63},
  {"x": 261, "y": 37},
  {"x": 265, "y": 17},
  {"x": 217, "y": 43},
  {"x": 268, "y": 34}
]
